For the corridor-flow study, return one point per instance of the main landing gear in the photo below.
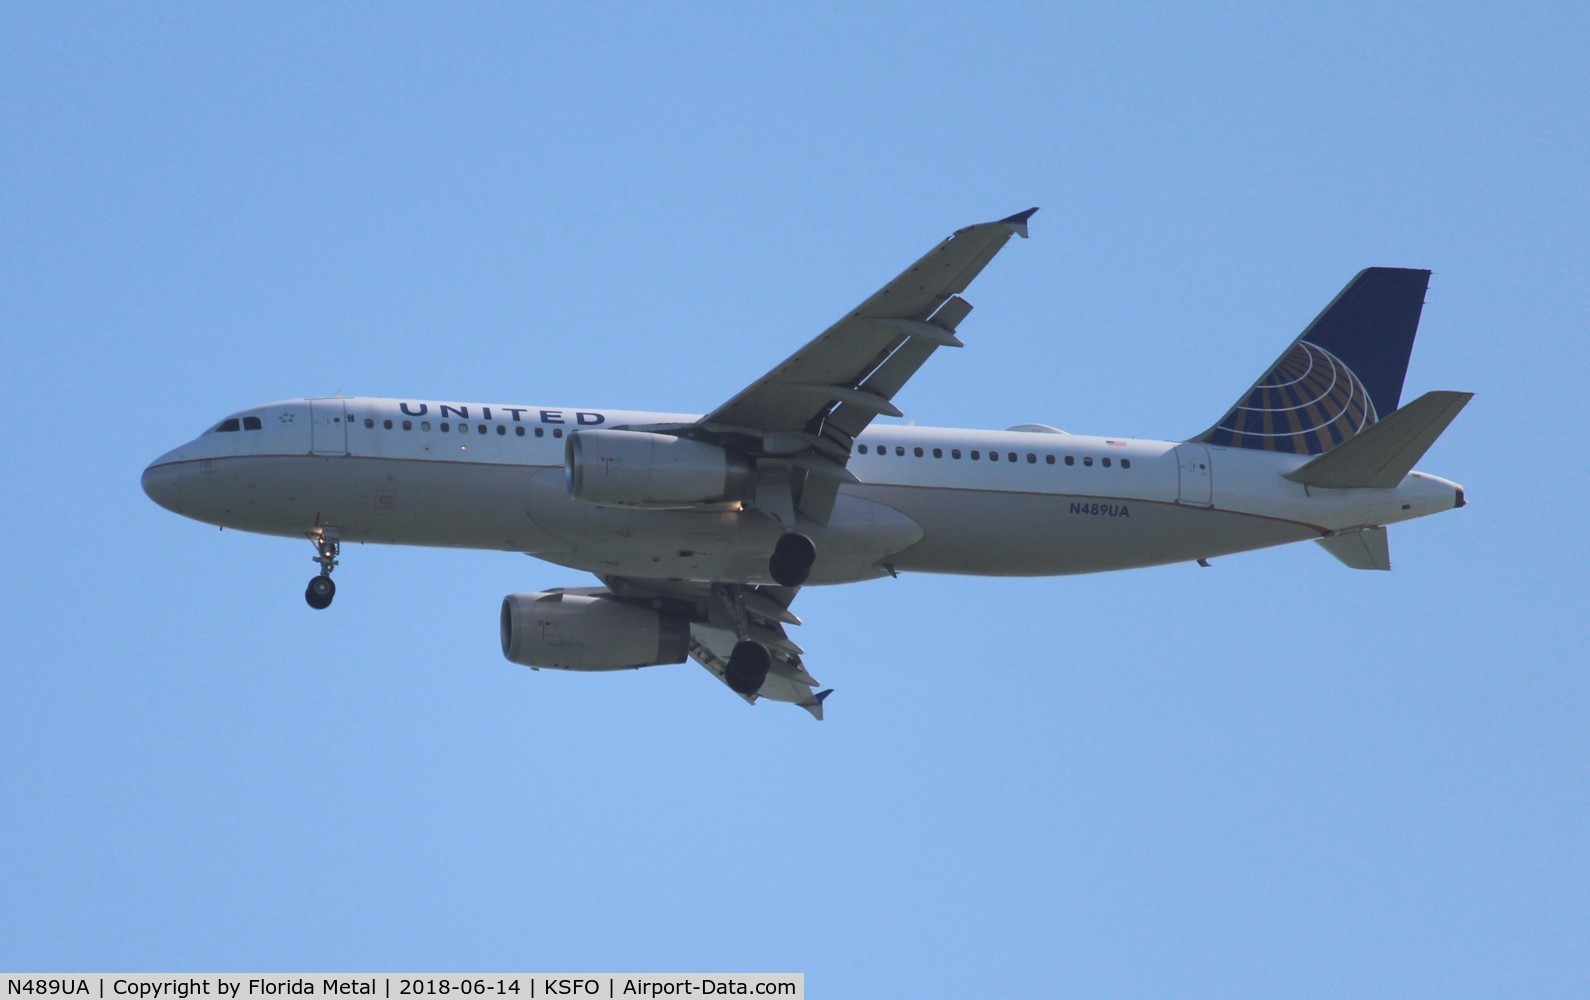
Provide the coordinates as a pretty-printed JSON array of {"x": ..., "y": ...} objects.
[
  {"x": 321, "y": 590},
  {"x": 750, "y": 661},
  {"x": 792, "y": 560},
  {"x": 748, "y": 667}
]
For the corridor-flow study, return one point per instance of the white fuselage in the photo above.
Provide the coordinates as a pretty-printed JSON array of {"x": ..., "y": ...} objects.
[{"x": 929, "y": 499}]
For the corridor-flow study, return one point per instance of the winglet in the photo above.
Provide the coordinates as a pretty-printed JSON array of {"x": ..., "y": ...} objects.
[
  {"x": 1018, "y": 222},
  {"x": 814, "y": 704}
]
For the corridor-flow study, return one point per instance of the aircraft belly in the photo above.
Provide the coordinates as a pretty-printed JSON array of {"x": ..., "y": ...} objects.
[
  {"x": 861, "y": 541},
  {"x": 1027, "y": 534},
  {"x": 679, "y": 544},
  {"x": 873, "y": 530},
  {"x": 724, "y": 543}
]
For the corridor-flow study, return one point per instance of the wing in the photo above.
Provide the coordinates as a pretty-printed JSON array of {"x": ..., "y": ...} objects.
[
  {"x": 798, "y": 423},
  {"x": 713, "y": 633},
  {"x": 808, "y": 410}
]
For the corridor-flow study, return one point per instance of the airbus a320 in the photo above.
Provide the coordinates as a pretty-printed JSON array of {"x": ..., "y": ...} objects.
[{"x": 701, "y": 529}]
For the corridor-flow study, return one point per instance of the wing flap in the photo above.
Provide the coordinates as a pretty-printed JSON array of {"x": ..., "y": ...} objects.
[
  {"x": 787, "y": 681},
  {"x": 890, "y": 376},
  {"x": 847, "y": 352},
  {"x": 712, "y": 633}
]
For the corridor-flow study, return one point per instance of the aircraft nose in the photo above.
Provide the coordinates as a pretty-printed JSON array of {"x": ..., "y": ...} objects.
[{"x": 162, "y": 483}]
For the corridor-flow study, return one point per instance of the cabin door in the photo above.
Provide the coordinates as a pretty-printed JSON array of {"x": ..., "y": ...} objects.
[
  {"x": 328, "y": 421},
  {"x": 1195, "y": 482}
]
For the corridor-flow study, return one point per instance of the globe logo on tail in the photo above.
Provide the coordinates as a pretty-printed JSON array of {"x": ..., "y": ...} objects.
[{"x": 1307, "y": 404}]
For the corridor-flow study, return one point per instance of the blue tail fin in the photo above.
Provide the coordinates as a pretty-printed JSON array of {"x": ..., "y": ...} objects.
[{"x": 1344, "y": 372}]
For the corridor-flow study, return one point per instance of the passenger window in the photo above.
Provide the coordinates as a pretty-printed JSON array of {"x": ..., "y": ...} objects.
[
  {"x": 425, "y": 425},
  {"x": 1105, "y": 462},
  {"x": 1011, "y": 456},
  {"x": 1126, "y": 463},
  {"x": 445, "y": 427},
  {"x": 251, "y": 423},
  {"x": 519, "y": 431},
  {"x": 1032, "y": 459},
  {"x": 501, "y": 430},
  {"x": 1048, "y": 459},
  {"x": 955, "y": 453},
  {"x": 993, "y": 456},
  {"x": 541, "y": 432},
  {"x": 1071, "y": 460},
  {"x": 976, "y": 454},
  {"x": 387, "y": 424},
  {"x": 863, "y": 449},
  {"x": 918, "y": 452},
  {"x": 899, "y": 450},
  {"x": 368, "y": 423},
  {"x": 557, "y": 432},
  {"x": 408, "y": 425},
  {"x": 482, "y": 428},
  {"x": 938, "y": 452},
  {"x": 1087, "y": 460}
]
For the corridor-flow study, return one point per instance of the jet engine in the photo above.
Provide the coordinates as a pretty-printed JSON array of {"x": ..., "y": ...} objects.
[
  {"x": 585, "y": 632},
  {"x": 612, "y": 468}
]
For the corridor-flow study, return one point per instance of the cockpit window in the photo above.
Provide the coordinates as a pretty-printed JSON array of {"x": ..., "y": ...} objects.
[
  {"x": 229, "y": 424},
  {"x": 251, "y": 423}
]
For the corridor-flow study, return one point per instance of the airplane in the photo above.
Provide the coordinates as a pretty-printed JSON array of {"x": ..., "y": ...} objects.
[{"x": 701, "y": 529}]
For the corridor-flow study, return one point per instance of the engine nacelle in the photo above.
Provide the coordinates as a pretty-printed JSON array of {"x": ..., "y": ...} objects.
[
  {"x": 580, "y": 632},
  {"x": 636, "y": 469}
]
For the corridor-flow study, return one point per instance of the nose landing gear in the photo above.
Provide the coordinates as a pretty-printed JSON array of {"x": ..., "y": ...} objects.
[
  {"x": 320, "y": 592},
  {"x": 327, "y": 542}
]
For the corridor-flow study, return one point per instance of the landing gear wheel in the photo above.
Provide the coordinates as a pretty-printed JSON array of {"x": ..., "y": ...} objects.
[
  {"x": 320, "y": 592},
  {"x": 327, "y": 541},
  {"x": 792, "y": 560},
  {"x": 748, "y": 666}
]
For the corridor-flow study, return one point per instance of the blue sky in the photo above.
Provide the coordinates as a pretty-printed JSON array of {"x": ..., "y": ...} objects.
[{"x": 1274, "y": 776}]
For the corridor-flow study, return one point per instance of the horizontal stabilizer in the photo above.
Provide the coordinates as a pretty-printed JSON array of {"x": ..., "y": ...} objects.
[
  {"x": 1383, "y": 453},
  {"x": 1364, "y": 548}
]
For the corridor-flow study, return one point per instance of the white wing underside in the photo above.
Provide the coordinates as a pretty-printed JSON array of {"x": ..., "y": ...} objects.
[
  {"x": 713, "y": 635},
  {"x": 787, "y": 680}
]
